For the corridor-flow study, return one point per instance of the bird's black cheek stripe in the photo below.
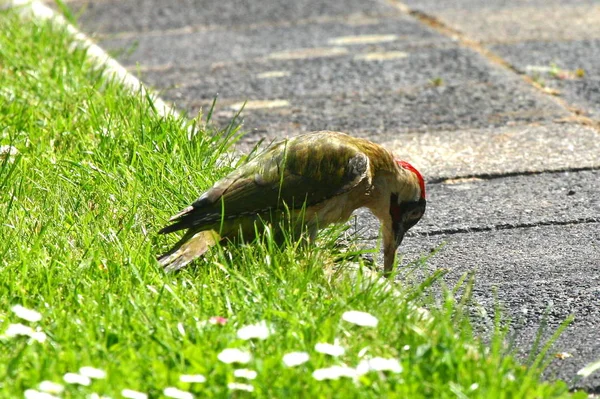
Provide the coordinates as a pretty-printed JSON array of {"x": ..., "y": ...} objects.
[
  {"x": 406, "y": 209},
  {"x": 396, "y": 213}
]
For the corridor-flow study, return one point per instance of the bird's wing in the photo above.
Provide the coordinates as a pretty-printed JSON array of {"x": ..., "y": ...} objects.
[{"x": 305, "y": 170}]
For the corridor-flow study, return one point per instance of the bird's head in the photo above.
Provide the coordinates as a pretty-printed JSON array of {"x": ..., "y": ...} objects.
[{"x": 407, "y": 206}]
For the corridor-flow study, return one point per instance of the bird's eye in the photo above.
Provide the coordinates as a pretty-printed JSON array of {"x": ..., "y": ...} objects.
[
  {"x": 411, "y": 219},
  {"x": 415, "y": 214}
]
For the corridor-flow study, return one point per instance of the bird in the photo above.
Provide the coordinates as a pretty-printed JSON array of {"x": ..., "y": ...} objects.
[{"x": 300, "y": 185}]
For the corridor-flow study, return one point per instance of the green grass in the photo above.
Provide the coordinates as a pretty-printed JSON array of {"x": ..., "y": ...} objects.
[{"x": 98, "y": 173}]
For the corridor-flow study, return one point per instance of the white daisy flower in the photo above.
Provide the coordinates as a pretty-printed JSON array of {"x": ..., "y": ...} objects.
[
  {"x": 33, "y": 394},
  {"x": 8, "y": 152},
  {"x": 92, "y": 372},
  {"x": 18, "y": 329},
  {"x": 234, "y": 355},
  {"x": 172, "y": 392},
  {"x": 330, "y": 349},
  {"x": 362, "y": 319},
  {"x": 245, "y": 373},
  {"x": 94, "y": 395},
  {"x": 26, "y": 314},
  {"x": 131, "y": 394},
  {"x": 294, "y": 359},
  {"x": 191, "y": 378},
  {"x": 334, "y": 373},
  {"x": 236, "y": 386},
  {"x": 73, "y": 378},
  {"x": 363, "y": 351},
  {"x": 14, "y": 330},
  {"x": 259, "y": 331},
  {"x": 51, "y": 387},
  {"x": 38, "y": 336},
  {"x": 378, "y": 364},
  {"x": 181, "y": 329}
]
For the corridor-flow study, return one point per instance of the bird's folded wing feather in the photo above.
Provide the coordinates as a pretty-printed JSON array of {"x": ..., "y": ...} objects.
[{"x": 294, "y": 173}]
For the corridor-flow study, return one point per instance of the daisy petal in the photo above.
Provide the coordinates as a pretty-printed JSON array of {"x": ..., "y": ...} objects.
[
  {"x": 259, "y": 331},
  {"x": 362, "y": 319},
  {"x": 245, "y": 373},
  {"x": 234, "y": 355},
  {"x": 17, "y": 329},
  {"x": 33, "y": 394},
  {"x": 8, "y": 152},
  {"x": 191, "y": 378},
  {"x": 172, "y": 392},
  {"x": 26, "y": 314},
  {"x": 334, "y": 373},
  {"x": 131, "y": 394},
  {"x": 92, "y": 372},
  {"x": 94, "y": 395},
  {"x": 236, "y": 386},
  {"x": 378, "y": 364},
  {"x": 181, "y": 329},
  {"x": 51, "y": 387},
  {"x": 330, "y": 349},
  {"x": 38, "y": 336},
  {"x": 294, "y": 359},
  {"x": 73, "y": 378}
]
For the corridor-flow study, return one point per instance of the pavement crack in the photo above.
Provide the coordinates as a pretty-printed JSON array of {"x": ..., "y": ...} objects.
[
  {"x": 504, "y": 226},
  {"x": 492, "y": 176}
]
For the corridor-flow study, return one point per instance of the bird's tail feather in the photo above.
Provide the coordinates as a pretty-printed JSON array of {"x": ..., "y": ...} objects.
[{"x": 191, "y": 246}]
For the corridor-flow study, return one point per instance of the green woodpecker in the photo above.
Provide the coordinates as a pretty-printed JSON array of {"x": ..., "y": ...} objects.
[{"x": 301, "y": 185}]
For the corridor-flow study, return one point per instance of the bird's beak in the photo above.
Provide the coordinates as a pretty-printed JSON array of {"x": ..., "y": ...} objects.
[{"x": 398, "y": 234}]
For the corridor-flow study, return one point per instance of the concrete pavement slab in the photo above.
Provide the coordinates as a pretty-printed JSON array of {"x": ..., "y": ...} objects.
[
  {"x": 581, "y": 346},
  {"x": 517, "y": 257},
  {"x": 419, "y": 66},
  {"x": 432, "y": 6},
  {"x": 570, "y": 55},
  {"x": 532, "y": 279},
  {"x": 557, "y": 275},
  {"x": 427, "y": 108},
  {"x": 112, "y": 16},
  {"x": 497, "y": 151},
  {"x": 525, "y": 22},
  {"x": 532, "y": 300},
  {"x": 557, "y": 64},
  {"x": 205, "y": 48},
  {"x": 584, "y": 95}
]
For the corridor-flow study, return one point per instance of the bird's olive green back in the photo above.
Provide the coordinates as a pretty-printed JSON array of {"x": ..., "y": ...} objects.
[{"x": 304, "y": 170}]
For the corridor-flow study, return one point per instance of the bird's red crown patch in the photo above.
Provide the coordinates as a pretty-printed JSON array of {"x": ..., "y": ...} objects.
[{"x": 408, "y": 166}]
